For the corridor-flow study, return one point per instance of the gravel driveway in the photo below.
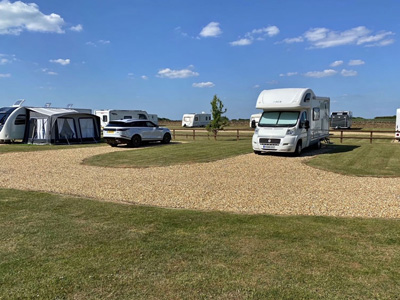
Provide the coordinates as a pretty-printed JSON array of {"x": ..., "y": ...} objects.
[{"x": 249, "y": 183}]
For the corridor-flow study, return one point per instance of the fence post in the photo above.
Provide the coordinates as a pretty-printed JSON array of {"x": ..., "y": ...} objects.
[
  {"x": 215, "y": 135},
  {"x": 370, "y": 138},
  {"x": 194, "y": 134},
  {"x": 341, "y": 136},
  {"x": 237, "y": 135},
  {"x": 173, "y": 134}
]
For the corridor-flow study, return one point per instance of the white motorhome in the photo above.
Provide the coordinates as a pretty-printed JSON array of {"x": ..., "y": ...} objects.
[
  {"x": 397, "y": 134},
  {"x": 292, "y": 120},
  {"x": 107, "y": 115},
  {"x": 153, "y": 118},
  {"x": 341, "y": 119},
  {"x": 256, "y": 118},
  {"x": 196, "y": 120}
]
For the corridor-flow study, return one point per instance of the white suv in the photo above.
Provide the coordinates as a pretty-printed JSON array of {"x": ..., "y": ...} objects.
[{"x": 133, "y": 132}]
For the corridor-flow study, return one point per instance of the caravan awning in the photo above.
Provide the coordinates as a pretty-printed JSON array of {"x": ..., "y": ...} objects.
[{"x": 52, "y": 111}]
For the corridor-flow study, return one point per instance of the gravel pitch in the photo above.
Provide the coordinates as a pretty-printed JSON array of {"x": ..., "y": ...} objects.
[{"x": 252, "y": 184}]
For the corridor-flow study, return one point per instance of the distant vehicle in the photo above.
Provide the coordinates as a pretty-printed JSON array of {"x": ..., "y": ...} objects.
[
  {"x": 341, "y": 119},
  {"x": 107, "y": 115},
  {"x": 133, "y": 132},
  {"x": 398, "y": 124},
  {"x": 256, "y": 118},
  {"x": 196, "y": 120},
  {"x": 153, "y": 118},
  {"x": 293, "y": 119}
]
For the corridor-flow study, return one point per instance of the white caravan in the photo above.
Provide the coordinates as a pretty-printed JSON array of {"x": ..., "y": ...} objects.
[
  {"x": 196, "y": 120},
  {"x": 108, "y": 115},
  {"x": 12, "y": 122},
  {"x": 256, "y": 118},
  {"x": 292, "y": 120},
  {"x": 397, "y": 135},
  {"x": 341, "y": 119}
]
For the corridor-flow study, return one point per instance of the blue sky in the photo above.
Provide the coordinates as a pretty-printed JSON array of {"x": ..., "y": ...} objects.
[{"x": 169, "y": 57}]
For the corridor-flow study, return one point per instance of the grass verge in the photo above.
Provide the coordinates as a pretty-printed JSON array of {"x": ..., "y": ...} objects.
[
  {"x": 360, "y": 158},
  {"x": 172, "y": 154},
  {"x": 55, "y": 247}
]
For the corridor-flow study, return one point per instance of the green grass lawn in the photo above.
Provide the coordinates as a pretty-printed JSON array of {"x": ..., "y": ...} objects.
[
  {"x": 56, "y": 247},
  {"x": 172, "y": 154},
  {"x": 360, "y": 158}
]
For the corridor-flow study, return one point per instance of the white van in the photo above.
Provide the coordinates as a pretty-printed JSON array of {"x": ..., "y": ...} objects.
[
  {"x": 292, "y": 120},
  {"x": 397, "y": 134},
  {"x": 196, "y": 120},
  {"x": 107, "y": 115}
]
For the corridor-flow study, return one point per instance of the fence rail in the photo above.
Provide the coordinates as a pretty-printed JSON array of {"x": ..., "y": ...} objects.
[{"x": 248, "y": 133}]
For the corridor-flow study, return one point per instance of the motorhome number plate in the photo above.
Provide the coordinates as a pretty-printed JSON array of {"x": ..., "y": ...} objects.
[{"x": 268, "y": 147}]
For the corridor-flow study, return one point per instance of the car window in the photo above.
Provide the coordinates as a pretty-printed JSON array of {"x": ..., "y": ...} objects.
[{"x": 150, "y": 124}]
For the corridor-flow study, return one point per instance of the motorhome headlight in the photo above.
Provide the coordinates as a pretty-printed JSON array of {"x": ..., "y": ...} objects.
[
  {"x": 290, "y": 131},
  {"x": 256, "y": 130}
]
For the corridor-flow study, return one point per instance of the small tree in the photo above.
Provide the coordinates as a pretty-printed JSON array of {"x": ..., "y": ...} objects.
[{"x": 218, "y": 121}]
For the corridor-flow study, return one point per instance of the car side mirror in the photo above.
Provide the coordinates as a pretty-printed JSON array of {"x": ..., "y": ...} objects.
[
  {"x": 307, "y": 124},
  {"x": 253, "y": 124}
]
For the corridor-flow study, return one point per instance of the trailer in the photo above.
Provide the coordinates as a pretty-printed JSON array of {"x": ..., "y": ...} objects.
[
  {"x": 341, "y": 119},
  {"x": 397, "y": 134},
  {"x": 13, "y": 121},
  {"x": 196, "y": 120},
  {"x": 107, "y": 115},
  {"x": 292, "y": 119}
]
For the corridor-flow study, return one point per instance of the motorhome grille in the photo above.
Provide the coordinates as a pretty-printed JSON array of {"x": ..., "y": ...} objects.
[{"x": 269, "y": 141}]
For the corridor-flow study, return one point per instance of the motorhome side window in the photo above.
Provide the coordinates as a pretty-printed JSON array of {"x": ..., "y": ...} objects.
[
  {"x": 316, "y": 114},
  {"x": 303, "y": 118},
  {"x": 127, "y": 117},
  {"x": 104, "y": 118},
  {"x": 20, "y": 120},
  {"x": 142, "y": 117}
]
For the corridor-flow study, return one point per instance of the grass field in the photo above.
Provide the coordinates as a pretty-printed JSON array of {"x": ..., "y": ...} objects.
[{"x": 56, "y": 247}]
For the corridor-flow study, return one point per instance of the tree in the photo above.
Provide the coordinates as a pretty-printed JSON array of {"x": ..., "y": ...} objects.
[{"x": 218, "y": 121}]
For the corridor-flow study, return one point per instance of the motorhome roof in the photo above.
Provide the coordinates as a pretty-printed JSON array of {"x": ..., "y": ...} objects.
[{"x": 289, "y": 98}]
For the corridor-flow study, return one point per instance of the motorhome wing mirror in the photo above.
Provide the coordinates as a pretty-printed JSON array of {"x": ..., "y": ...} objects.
[
  {"x": 253, "y": 124},
  {"x": 307, "y": 124}
]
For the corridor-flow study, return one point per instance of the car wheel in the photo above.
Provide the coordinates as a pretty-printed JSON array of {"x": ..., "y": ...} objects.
[
  {"x": 113, "y": 145},
  {"x": 166, "y": 139},
  {"x": 298, "y": 149},
  {"x": 257, "y": 152},
  {"x": 136, "y": 141},
  {"x": 318, "y": 145}
]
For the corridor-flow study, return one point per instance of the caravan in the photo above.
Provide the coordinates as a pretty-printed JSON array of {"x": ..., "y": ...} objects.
[
  {"x": 47, "y": 125},
  {"x": 107, "y": 115},
  {"x": 397, "y": 134},
  {"x": 292, "y": 120},
  {"x": 196, "y": 120}
]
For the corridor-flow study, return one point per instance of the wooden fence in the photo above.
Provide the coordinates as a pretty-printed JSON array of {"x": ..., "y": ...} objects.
[{"x": 248, "y": 133}]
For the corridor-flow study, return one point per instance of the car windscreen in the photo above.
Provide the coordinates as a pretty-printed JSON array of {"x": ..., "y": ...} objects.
[{"x": 278, "y": 119}]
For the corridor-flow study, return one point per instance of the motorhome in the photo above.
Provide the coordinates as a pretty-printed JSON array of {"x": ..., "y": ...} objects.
[
  {"x": 256, "y": 118},
  {"x": 397, "y": 134},
  {"x": 107, "y": 115},
  {"x": 292, "y": 119},
  {"x": 341, "y": 119},
  {"x": 153, "y": 118},
  {"x": 196, "y": 120}
]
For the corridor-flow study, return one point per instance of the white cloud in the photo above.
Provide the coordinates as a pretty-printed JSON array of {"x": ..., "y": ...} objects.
[
  {"x": 61, "y": 61},
  {"x": 348, "y": 73},
  {"x": 326, "y": 38},
  {"x": 77, "y": 28},
  {"x": 207, "y": 84},
  {"x": 144, "y": 77},
  {"x": 288, "y": 74},
  {"x": 5, "y": 75},
  {"x": 256, "y": 34},
  {"x": 241, "y": 42},
  {"x": 99, "y": 42},
  {"x": 173, "y": 74},
  {"x": 211, "y": 30},
  {"x": 320, "y": 74},
  {"x": 19, "y": 16},
  {"x": 356, "y": 62},
  {"x": 336, "y": 63},
  {"x": 49, "y": 72}
]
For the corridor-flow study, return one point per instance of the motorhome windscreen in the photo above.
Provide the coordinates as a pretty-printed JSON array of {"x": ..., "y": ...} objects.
[
  {"x": 4, "y": 113},
  {"x": 279, "y": 119}
]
